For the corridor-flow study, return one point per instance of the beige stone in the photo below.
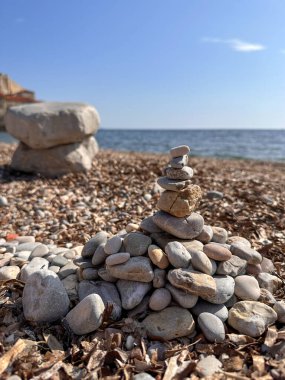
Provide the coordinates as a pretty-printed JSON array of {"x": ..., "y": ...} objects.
[{"x": 158, "y": 257}]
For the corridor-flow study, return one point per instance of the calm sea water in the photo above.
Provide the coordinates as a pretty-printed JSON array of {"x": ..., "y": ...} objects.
[{"x": 255, "y": 144}]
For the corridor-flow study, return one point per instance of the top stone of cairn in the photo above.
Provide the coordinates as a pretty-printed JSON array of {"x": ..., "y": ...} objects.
[
  {"x": 178, "y": 151},
  {"x": 45, "y": 125}
]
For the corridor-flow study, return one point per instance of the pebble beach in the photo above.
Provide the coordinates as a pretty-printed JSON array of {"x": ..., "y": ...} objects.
[{"x": 245, "y": 197}]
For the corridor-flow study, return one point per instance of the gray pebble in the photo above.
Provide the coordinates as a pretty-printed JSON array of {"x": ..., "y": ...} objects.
[
  {"x": 225, "y": 286},
  {"x": 177, "y": 254},
  {"x": 212, "y": 327},
  {"x": 183, "y": 298},
  {"x": 113, "y": 245},
  {"x": 36, "y": 264},
  {"x": 219, "y": 311},
  {"x": 91, "y": 246},
  {"x": 40, "y": 251},
  {"x": 136, "y": 243},
  {"x": 132, "y": 292}
]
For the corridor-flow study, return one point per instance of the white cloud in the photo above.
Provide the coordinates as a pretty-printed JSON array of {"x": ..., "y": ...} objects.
[{"x": 236, "y": 44}]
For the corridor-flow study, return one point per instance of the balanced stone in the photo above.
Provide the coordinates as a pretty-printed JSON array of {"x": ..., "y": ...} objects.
[
  {"x": 180, "y": 150},
  {"x": 220, "y": 235},
  {"x": 135, "y": 269},
  {"x": 177, "y": 255},
  {"x": 86, "y": 316},
  {"x": 113, "y": 245},
  {"x": 247, "y": 288},
  {"x": 251, "y": 317},
  {"x": 183, "y": 298},
  {"x": 159, "y": 299},
  {"x": 99, "y": 255},
  {"x": 170, "y": 323},
  {"x": 179, "y": 174},
  {"x": 219, "y": 311},
  {"x": 117, "y": 258},
  {"x": 148, "y": 225},
  {"x": 136, "y": 243},
  {"x": 225, "y": 286},
  {"x": 157, "y": 256},
  {"x": 235, "y": 266},
  {"x": 212, "y": 327},
  {"x": 244, "y": 252},
  {"x": 201, "y": 262},
  {"x": 183, "y": 228},
  {"x": 193, "y": 282},
  {"x": 217, "y": 252},
  {"x": 179, "y": 162},
  {"x": 180, "y": 203},
  {"x": 91, "y": 246},
  {"x": 206, "y": 234},
  {"x": 173, "y": 184},
  {"x": 132, "y": 292},
  {"x": 269, "y": 282}
]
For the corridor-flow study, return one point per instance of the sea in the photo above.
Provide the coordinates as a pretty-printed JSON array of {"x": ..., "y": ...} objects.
[{"x": 265, "y": 145}]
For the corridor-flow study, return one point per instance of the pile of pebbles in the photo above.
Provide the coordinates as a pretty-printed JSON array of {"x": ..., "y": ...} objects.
[{"x": 172, "y": 272}]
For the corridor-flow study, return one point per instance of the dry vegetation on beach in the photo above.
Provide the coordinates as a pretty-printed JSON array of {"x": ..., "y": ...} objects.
[{"x": 73, "y": 208}]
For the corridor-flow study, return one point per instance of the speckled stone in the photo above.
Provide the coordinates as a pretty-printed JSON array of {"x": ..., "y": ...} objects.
[
  {"x": 179, "y": 162},
  {"x": 179, "y": 174}
]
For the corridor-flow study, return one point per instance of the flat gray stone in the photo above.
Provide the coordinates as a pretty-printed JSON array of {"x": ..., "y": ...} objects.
[
  {"x": 135, "y": 269},
  {"x": 159, "y": 299},
  {"x": 179, "y": 162},
  {"x": 219, "y": 311},
  {"x": 148, "y": 225},
  {"x": 113, "y": 245},
  {"x": 212, "y": 194},
  {"x": 185, "y": 173},
  {"x": 40, "y": 251},
  {"x": 225, "y": 286},
  {"x": 91, "y": 246},
  {"x": 90, "y": 274},
  {"x": 117, "y": 258},
  {"x": 66, "y": 270},
  {"x": 212, "y": 327},
  {"x": 60, "y": 261},
  {"x": 27, "y": 246},
  {"x": 100, "y": 255},
  {"x": 132, "y": 292},
  {"x": 233, "y": 267},
  {"x": 173, "y": 184},
  {"x": 136, "y": 243},
  {"x": 244, "y": 252}
]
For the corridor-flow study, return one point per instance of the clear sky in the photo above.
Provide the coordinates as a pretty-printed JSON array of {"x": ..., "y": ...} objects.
[{"x": 152, "y": 63}]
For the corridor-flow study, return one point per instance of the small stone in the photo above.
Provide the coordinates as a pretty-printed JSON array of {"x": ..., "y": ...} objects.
[
  {"x": 130, "y": 341},
  {"x": 219, "y": 311},
  {"x": 40, "y": 251},
  {"x": 217, "y": 252},
  {"x": 60, "y": 261},
  {"x": 106, "y": 276},
  {"x": 179, "y": 162},
  {"x": 66, "y": 270},
  {"x": 247, "y": 288},
  {"x": 266, "y": 297},
  {"x": 54, "y": 269},
  {"x": 159, "y": 278},
  {"x": 91, "y": 246},
  {"x": 202, "y": 263},
  {"x": 173, "y": 184},
  {"x": 225, "y": 286},
  {"x": 238, "y": 239},
  {"x": 100, "y": 255},
  {"x": 9, "y": 272},
  {"x": 3, "y": 201},
  {"x": 192, "y": 244},
  {"x": 208, "y": 366},
  {"x": 220, "y": 235},
  {"x": 267, "y": 265},
  {"x": 244, "y": 252},
  {"x": 251, "y": 317},
  {"x": 132, "y": 292},
  {"x": 131, "y": 227},
  {"x": 157, "y": 256},
  {"x": 117, "y": 258},
  {"x": 177, "y": 255},
  {"x": 253, "y": 269},
  {"x": 157, "y": 349},
  {"x": 159, "y": 299},
  {"x": 70, "y": 284},
  {"x": 182, "y": 203},
  {"x": 180, "y": 150},
  {"x": 90, "y": 274},
  {"x": 147, "y": 197},
  {"x": 183, "y": 228},
  {"x": 143, "y": 376},
  {"x": 25, "y": 239},
  {"x": 44, "y": 297},
  {"x": 27, "y": 246},
  {"x": 136, "y": 243},
  {"x": 212, "y": 194},
  {"x": 235, "y": 266},
  {"x": 70, "y": 254},
  {"x": 279, "y": 308},
  {"x": 86, "y": 316},
  {"x": 212, "y": 327},
  {"x": 180, "y": 174},
  {"x": 193, "y": 282},
  {"x": 82, "y": 263},
  {"x": 135, "y": 269},
  {"x": 36, "y": 264},
  {"x": 170, "y": 323},
  {"x": 113, "y": 245},
  {"x": 183, "y": 298},
  {"x": 269, "y": 282},
  {"x": 206, "y": 234},
  {"x": 23, "y": 255},
  {"x": 149, "y": 226}
]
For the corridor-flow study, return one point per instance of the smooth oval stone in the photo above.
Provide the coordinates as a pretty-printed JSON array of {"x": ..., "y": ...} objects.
[
  {"x": 183, "y": 228},
  {"x": 66, "y": 270},
  {"x": 170, "y": 323},
  {"x": 157, "y": 256},
  {"x": 44, "y": 297},
  {"x": 9, "y": 272},
  {"x": 247, "y": 288},
  {"x": 238, "y": 239},
  {"x": 117, "y": 258},
  {"x": 131, "y": 227},
  {"x": 183, "y": 174},
  {"x": 206, "y": 234},
  {"x": 86, "y": 316},
  {"x": 90, "y": 274},
  {"x": 235, "y": 266},
  {"x": 225, "y": 286},
  {"x": 193, "y": 282},
  {"x": 159, "y": 299},
  {"x": 91, "y": 246},
  {"x": 251, "y": 317},
  {"x": 208, "y": 366},
  {"x": 219, "y": 311},
  {"x": 180, "y": 150},
  {"x": 100, "y": 255},
  {"x": 220, "y": 235},
  {"x": 106, "y": 290},
  {"x": 113, "y": 245},
  {"x": 149, "y": 226},
  {"x": 132, "y": 292},
  {"x": 136, "y": 243},
  {"x": 27, "y": 246},
  {"x": 178, "y": 162},
  {"x": 106, "y": 276},
  {"x": 25, "y": 239},
  {"x": 159, "y": 278},
  {"x": 172, "y": 184},
  {"x": 201, "y": 262},
  {"x": 279, "y": 308},
  {"x": 40, "y": 251},
  {"x": 212, "y": 327},
  {"x": 244, "y": 252},
  {"x": 269, "y": 282},
  {"x": 135, "y": 269},
  {"x": 213, "y": 194},
  {"x": 182, "y": 203},
  {"x": 192, "y": 244},
  {"x": 36, "y": 264},
  {"x": 217, "y": 252},
  {"x": 177, "y": 254},
  {"x": 183, "y": 298},
  {"x": 59, "y": 261}
]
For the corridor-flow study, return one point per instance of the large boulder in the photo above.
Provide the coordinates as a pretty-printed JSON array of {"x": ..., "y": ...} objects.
[
  {"x": 55, "y": 161},
  {"x": 45, "y": 125}
]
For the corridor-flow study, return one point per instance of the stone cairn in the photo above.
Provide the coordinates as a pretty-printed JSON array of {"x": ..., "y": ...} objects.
[
  {"x": 172, "y": 273},
  {"x": 55, "y": 138}
]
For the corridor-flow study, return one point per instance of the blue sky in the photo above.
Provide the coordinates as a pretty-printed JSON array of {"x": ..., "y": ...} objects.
[{"x": 152, "y": 63}]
